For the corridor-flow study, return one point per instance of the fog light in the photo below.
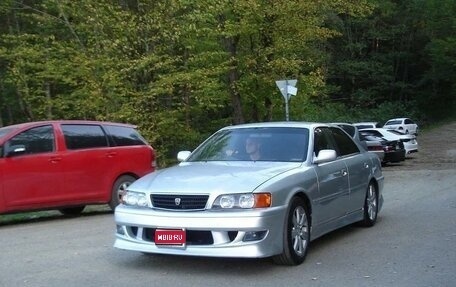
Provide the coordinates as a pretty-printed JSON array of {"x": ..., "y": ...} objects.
[
  {"x": 254, "y": 235},
  {"x": 120, "y": 230}
]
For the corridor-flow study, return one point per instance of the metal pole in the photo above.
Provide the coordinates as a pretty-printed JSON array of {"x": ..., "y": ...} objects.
[
  {"x": 286, "y": 100},
  {"x": 286, "y": 109}
]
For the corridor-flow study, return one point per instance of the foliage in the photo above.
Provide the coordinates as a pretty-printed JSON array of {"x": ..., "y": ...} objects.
[{"x": 181, "y": 69}]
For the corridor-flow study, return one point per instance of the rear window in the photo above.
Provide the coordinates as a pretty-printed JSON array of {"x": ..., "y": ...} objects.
[
  {"x": 125, "y": 136},
  {"x": 345, "y": 144},
  {"x": 360, "y": 127},
  {"x": 348, "y": 129},
  {"x": 84, "y": 136},
  {"x": 393, "y": 122}
]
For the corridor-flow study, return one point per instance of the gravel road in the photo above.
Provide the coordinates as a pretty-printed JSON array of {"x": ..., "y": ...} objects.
[{"x": 437, "y": 151}]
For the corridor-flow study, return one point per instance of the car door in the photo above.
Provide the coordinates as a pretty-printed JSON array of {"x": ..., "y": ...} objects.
[
  {"x": 358, "y": 168},
  {"x": 332, "y": 181},
  {"x": 88, "y": 162},
  {"x": 32, "y": 169}
]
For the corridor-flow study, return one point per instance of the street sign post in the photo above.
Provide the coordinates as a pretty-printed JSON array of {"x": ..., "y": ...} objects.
[{"x": 287, "y": 89}]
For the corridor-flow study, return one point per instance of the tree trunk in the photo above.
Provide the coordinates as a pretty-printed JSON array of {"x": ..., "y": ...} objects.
[
  {"x": 47, "y": 91},
  {"x": 233, "y": 78}
]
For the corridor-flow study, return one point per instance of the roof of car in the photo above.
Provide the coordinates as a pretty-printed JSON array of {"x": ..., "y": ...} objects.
[
  {"x": 397, "y": 119},
  {"x": 290, "y": 124},
  {"x": 366, "y": 123},
  {"x": 37, "y": 123}
]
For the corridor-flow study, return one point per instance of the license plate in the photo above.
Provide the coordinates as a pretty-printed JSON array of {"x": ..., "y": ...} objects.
[{"x": 170, "y": 237}]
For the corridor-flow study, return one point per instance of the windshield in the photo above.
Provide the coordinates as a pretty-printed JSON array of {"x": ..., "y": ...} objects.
[{"x": 255, "y": 144}]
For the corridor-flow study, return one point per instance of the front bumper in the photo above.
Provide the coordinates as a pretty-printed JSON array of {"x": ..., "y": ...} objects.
[{"x": 214, "y": 233}]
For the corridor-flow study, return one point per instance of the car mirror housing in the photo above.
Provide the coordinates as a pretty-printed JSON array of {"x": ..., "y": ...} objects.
[
  {"x": 183, "y": 155},
  {"x": 325, "y": 155}
]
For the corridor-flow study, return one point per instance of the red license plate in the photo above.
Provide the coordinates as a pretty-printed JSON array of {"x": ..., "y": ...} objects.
[{"x": 173, "y": 237}]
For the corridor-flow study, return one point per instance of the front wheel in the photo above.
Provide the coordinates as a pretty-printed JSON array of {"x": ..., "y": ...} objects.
[
  {"x": 296, "y": 237},
  {"x": 119, "y": 187},
  {"x": 370, "y": 206}
]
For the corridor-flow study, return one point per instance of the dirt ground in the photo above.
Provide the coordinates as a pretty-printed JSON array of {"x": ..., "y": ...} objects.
[{"x": 436, "y": 150}]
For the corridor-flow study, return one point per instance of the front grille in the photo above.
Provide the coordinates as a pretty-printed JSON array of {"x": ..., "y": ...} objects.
[{"x": 179, "y": 202}]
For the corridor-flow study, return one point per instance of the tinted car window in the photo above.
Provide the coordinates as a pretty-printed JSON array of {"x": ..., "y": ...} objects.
[
  {"x": 393, "y": 122},
  {"x": 344, "y": 142},
  {"x": 363, "y": 126},
  {"x": 348, "y": 129},
  {"x": 373, "y": 133},
  {"x": 32, "y": 141},
  {"x": 125, "y": 136},
  {"x": 322, "y": 140},
  {"x": 408, "y": 121},
  {"x": 84, "y": 136}
]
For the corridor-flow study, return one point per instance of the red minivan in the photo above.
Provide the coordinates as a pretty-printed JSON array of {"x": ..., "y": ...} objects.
[{"x": 66, "y": 165}]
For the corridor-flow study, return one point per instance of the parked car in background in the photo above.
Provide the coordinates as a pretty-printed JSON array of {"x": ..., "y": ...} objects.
[
  {"x": 367, "y": 125},
  {"x": 253, "y": 190},
  {"x": 393, "y": 151},
  {"x": 409, "y": 141},
  {"x": 372, "y": 145},
  {"x": 404, "y": 125},
  {"x": 66, "y": 165}
]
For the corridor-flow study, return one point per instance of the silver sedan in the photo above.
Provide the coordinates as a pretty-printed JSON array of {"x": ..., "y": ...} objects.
[{"x": 253, "y": 190}]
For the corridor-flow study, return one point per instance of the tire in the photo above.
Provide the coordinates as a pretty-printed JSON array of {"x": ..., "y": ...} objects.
[
  {"x": 119, "y": 186},
  {"x": 72, "y": 211},
  {"x": 370, "y": 206},
  {"x": 296, "y": 237}
]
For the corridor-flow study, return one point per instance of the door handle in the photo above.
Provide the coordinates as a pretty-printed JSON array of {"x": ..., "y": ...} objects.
[
  {"x": 366, "y": 165},
  {"x": 344, "y": 172},
  {"x": 55, "y": 159},
  {"x": 111, "y": 154}
]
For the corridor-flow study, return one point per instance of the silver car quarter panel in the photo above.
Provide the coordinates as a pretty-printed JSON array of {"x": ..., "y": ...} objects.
[{"x": 212, "y": 233}]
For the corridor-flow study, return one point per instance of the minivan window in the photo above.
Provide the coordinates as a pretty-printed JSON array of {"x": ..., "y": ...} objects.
[
  {"x": 84, "y": 136},
  {"x": 124, "y": 136},
  {"x": 32, "y": 141}
]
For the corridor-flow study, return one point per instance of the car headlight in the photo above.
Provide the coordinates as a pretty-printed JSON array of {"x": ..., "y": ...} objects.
[
  {"x": 243, "y": 201},
  {"x": 134, "y": 198}
]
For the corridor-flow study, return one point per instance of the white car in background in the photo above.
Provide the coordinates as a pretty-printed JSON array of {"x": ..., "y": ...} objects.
[
  {"x": 410, "y": 143},
  {"x": 404, "y": 125}
]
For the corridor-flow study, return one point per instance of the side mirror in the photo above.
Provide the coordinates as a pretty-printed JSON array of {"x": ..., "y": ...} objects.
[
  {"x": 325, "y": 155},
  {"x": 183, "y": 155}
]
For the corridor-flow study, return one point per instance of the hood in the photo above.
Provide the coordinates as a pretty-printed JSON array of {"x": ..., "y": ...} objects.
[{"x": 207, "y": 177}]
